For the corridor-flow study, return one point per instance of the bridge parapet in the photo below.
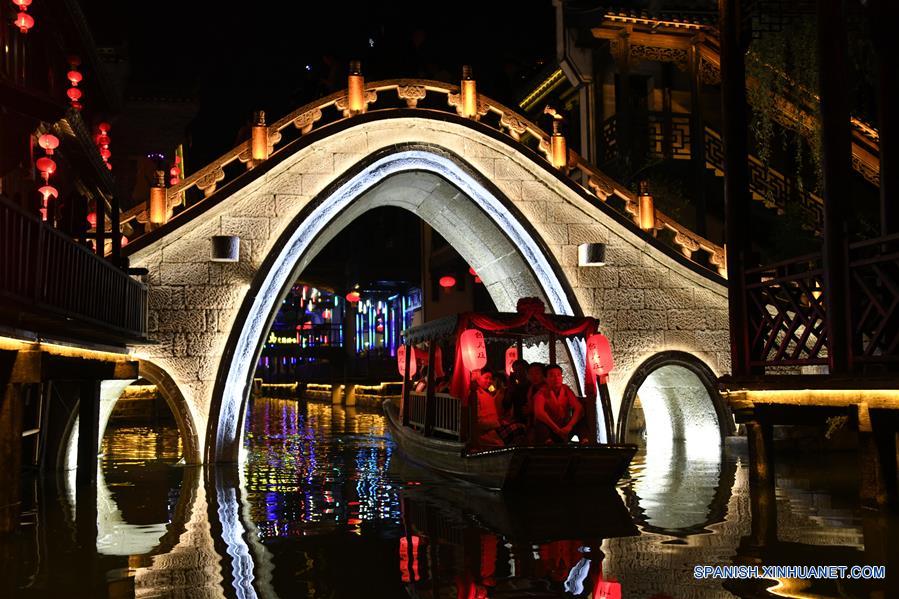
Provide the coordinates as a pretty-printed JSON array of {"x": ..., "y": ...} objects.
[{"x": 421, "y": 94}]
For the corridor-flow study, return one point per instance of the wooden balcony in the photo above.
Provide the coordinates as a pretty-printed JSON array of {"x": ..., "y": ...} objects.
[{"x": 52, "y": 287}]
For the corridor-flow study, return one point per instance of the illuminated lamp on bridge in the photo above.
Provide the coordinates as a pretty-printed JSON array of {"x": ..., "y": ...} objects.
[
  {"x": 159, "y": 210},
  {"x": 447, "y": 281},
  {"x": 259, "y": 137},
  {"x": 225, "y": 248},
  {"x": 355, "y": 89},
  {"x": 646, "y": 208},
  {"x": 469, "y": 94}
]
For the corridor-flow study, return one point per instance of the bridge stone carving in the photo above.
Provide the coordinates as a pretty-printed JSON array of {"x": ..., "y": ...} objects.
[{"x": 522, "y": 216}]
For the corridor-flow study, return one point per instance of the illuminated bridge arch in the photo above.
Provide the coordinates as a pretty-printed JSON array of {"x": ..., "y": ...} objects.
[{"x": 517, "y": 219}]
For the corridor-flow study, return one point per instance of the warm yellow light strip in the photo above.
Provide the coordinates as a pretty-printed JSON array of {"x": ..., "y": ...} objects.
[
  {"x": 543, "y": 89},
  {"x": 875, "y": 398},
  {"x": 8, "y": 343},
  {"x": 654, "y": 22},
  {"x": 326, "y": 387}
]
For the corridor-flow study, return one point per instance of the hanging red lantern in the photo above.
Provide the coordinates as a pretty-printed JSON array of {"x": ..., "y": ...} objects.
[
  {"x": 24, "y": 22},
  {"x": 511, "y": 358},
  {"x": 353, "y": 296},
  {"x": 447, "y": 281},
  {"x": 46, "y": 165},
  {"x": 478, "y": 280},
  {"x": 47, "y": 192},
  {"x": 103, "y": 140},
  {"x": 473, "y": 348},
  {"x": 599, "y": 356},
  {"x": 22, "y": 4},
  {"x": 124, "y": 241},
  {"x": 472, "y": 271},
  {"x": 92, "y": 219},
  {"x": 74, "y": 77},
  {"x": 74, "y": 94},
  {"x": 48, "y": 142},
  {"x": 401, "y": 361}
]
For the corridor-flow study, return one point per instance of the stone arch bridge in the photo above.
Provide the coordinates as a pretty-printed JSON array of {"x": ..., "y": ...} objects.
[{"x": 512, "y": 201}]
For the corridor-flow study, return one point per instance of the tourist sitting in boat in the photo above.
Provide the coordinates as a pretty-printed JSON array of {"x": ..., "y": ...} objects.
[
  {"x": 516, "y": 399},
  {"x": 556, "y": 409},
  {"x": 494, "y": 428}
]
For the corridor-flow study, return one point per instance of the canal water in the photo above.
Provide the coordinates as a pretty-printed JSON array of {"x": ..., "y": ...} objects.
[{"x": 325, "y": 506}]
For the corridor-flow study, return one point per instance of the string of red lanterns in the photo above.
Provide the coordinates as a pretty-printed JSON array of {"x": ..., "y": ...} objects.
[
  {"x": 23, "y": 21},
  {"x": 103, "y": 140},
  {"x": 75, "y": 77},
  {"x": 175, "y": 171},
  {"x": 47, "y": 166}
]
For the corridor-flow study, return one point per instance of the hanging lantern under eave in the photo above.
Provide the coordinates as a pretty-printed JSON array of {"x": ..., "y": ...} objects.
[
  {"x": 473, "y": 348},
  {"x": 353, "y": 297},
  {"x": 447, "y": 282},
  {"x": 646, "y": 208},
  {"x": 46, "y": 166},
  {"x": 74, "y": 94},
  {"x": 158, "y": 205},
  {"x": 24, "y": 22},
  {"x": 469, "y": 94},
  {"x": 558, "y": 147},
  {"x": 355, "y": 89},
  {"x": 74, "y": 77},
  {"x": 47, "y": 192},
  {"x": 401, "y": 361},
  {"x": 92, "y": 219},
  {"x": 259, "y": 137},
  {"x": 48, "y": 142}
]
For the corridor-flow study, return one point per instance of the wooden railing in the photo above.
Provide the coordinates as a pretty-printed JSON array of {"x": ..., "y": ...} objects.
[
  {"x": 431, "y": 96},
  {"x": 447, "y": 413},
  {"x": 874, "y": 300},
  {"x": 785, "y": 310},
  {"x": 44, "y": 270}
]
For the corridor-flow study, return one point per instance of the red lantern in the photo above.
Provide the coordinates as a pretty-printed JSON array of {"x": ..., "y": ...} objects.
[
  {"x": 447, "y": 281},
  {"x": 103, "y": 140},
  {"x": 74, "y": 77},
  {"x": 401, "y": 361},
  {"x": 74, "y": 94},
  {"x": 353, "y": 297},
  {"x": 92, "y": 219},
  {"x": 478, "y": 280},
  {"x": 104, "y": 127},
  {"x": 174, "y": 171},
  {"x": 474, "y": 350},
  {"x": 24, "y": 22},
  {"x": 124, "y": 241},
  {"x": 472, "y": 272},
  {"x": 48, "y": 142},
  {"x": 48, "y": 191},
  {"x": 22, "y": 4},
  {"x": 511, "y": 358},
  {"x": 599, "y": 356},
  {"x": 46, "y": 166}
]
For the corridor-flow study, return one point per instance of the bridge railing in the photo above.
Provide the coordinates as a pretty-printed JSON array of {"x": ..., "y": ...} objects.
[
  {"x": 433, "y": 96},
  {"x": 50, "y": 279}
]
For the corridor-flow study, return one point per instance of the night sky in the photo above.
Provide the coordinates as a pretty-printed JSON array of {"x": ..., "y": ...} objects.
[{"x": 277, "y": 56}]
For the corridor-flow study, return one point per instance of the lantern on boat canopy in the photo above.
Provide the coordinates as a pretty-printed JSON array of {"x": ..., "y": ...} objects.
[
  {"x": 474, "y": 351},
  {"x": 599, "y": 356},
  {"x": 401, "y": 361},
  {"x": 511, "y": 358}
]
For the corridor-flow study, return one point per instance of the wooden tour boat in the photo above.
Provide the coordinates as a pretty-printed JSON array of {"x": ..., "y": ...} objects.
[{"x": 436, "y": 429}]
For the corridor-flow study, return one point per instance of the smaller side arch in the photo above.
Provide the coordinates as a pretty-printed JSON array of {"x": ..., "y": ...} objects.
[
  {"x": 695, "y": 366},
  {"x": 179, "y": 406}
]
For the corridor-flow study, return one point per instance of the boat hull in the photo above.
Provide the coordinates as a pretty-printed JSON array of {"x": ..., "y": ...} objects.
[{"x": 537, "y": 468}]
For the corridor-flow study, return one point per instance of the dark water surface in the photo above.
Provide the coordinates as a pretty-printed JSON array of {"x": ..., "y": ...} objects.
[{"x": 325, "y": 507}]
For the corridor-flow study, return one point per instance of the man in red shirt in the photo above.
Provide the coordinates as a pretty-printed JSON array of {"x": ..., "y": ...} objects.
[{"x": 556, "y": 409}]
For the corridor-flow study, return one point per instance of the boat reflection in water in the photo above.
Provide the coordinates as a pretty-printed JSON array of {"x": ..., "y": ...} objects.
[{"x": 479, "y": 543}]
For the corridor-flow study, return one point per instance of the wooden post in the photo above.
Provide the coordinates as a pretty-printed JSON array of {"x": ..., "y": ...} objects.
[
  {"x": 883, "y": 17},
  {"x": 100, "y": 229},
  {"x": 837, "y": 167},
  {"x": 430, "y": 402},
  {"x": 552, "y": 348},
  {"x": 697, "y": 139},
  {"x": 410, "y": 349},
  {"x": 763, "y": 504},
  {"x": 10, "y": 455},
  {"x": 88, "y": 431},
  {"x": 116, "y": 224},
  {"x": 736, "y": 180}
]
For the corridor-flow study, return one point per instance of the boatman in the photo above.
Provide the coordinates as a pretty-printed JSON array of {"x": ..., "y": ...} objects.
[{"x": 556, "y": 409}]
